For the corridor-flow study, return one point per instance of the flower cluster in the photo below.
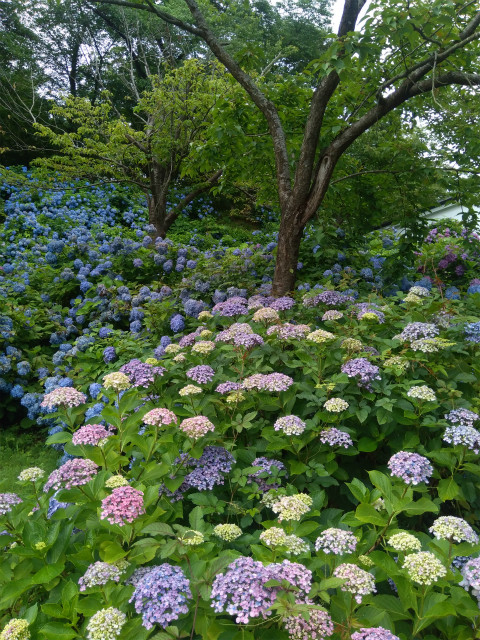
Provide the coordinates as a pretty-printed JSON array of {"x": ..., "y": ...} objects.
[
  {"x": 190, "y": 390},
  {"x": 290, "y": 425},
  {"x": 320, "y": 336},
  {"x": 292, "y": 507},
  {"x": 335, "y": 405},
  {"x": 289, "y": 331},
  {"x": 16, "y": 629},
  {"x": 412, "y": 468},
  {"x": 203, "y": 347},
  {"x": 358, "y": 582},
  {"x": 123, "y": 505},
  {"x": 241, "y": 590},
  {"x": 192, "y": 538},
  {"x": 32, "y": 474},
  {"x": 454, "y": 529},
  {"x": 117, "y": 381},
  {"x": 227, "y": 532},
  {"x": 274, "y": 537},
  {"x": 265, "y": 314},
  {"x": 141, "y": 374},
  {"x": 265, "y": 484},
  {"x": 465, "y": 436},
  {"x": 374, "y": 633},
  {"x": 422, "y": 392},
  {"x": 201, "y": 374},
  {"x": 159, "y": 417},
  {"x": 268, "y": 382},
  {"x": 63, "y": 397},
  {"x": 462, "y": 417},
  {"x": 74, "y": 473},
  {"x": 196, "y": 427},
  {"x": 116, "y": 481},
  {"x": 98, "y": 574},
  {"x": 471, "y": 576},
  {"x": 336, "y": 541},
  {"x": 94, "y": 434},
  {"x": 332, "y": 314},
  {"x": 161, "y": 595},
  {"x": 319, "y": 625},
  {"x": 416, "y": 330},
  {"x": 424, "y": 568},
  {"x": 365, "y": 371},
  {"x": 106, "y": 624},
  {"x": 404, "y": 541},
  {"x": 335, "y": 438}
]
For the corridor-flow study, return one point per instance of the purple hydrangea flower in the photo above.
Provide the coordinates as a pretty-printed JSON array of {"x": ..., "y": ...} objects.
[
  {"x": 161, "y": 595},
  {"x": 140, "y": 373},
  {"x": 363, "y": 369},
  {"x": 412, "y": 468},
  {"x": 201, "y": 374},
  {"x": 265, "y": 483}
]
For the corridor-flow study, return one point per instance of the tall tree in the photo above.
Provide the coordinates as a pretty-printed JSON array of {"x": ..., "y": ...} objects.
[
  {"x": 172, "y": 118},
  {"x": 405, "y": 50}
]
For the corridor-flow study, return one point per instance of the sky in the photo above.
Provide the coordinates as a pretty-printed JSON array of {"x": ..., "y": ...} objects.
[{"x": 337, "y": 13}]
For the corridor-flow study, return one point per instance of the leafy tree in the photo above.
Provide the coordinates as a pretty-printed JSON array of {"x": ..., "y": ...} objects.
[
  {"x": 172, "y": 119},
  {"x": 405, "y": 50}
]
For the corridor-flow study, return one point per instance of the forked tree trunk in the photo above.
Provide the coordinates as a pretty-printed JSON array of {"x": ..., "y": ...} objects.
[{"x": 157, "y": 199}]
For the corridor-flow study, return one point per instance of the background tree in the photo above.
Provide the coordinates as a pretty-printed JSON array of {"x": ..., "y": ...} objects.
[
  {"x": 171, "y": 119},
  {"x": 405, "y": 49}
]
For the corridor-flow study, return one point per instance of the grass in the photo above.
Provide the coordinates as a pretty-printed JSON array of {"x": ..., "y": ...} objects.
[{"x": 20, "y": 450}]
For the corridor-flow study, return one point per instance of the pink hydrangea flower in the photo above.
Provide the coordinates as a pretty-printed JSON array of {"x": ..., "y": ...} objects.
[
  {"x": 94, "y": 434},
  {"x": 74, "y": 473},
  {"x": 63, "y": 397},
  {"x": 123, "y": 505},
  {"x": 197, "y": 426},
  {"x": 159, "y": 417}
]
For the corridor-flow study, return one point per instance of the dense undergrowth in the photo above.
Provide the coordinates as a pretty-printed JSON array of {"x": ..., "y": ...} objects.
[{"x": 235, "y": 465}]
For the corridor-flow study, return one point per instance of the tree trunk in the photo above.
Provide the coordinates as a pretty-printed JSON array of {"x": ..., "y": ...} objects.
[
  {"x": 288, "y": 248},
  {"x": 157, "y": 199}
]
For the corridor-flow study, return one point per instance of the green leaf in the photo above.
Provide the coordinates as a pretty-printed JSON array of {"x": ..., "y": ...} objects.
[
  {"x": 196, "y": 519},
  {"x": 421, "y": 506},
  {"x": 448, "y": 489},
  {"x": 48, "y": 573},
  {"x": 57, "y": 631},
  {"x": 367, "y": 513},
  {"x": 382, "y": 482},
  {"x": 158, "y": 529}
]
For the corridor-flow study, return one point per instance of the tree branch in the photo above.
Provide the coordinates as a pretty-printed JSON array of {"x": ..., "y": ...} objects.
[{"x": 175, "y": 211}]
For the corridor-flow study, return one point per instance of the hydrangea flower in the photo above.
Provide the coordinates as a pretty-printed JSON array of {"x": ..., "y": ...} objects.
[
  {"x": 412, "y": 468},
  {"x": 241, "y": 590},
  {"x": 265, "y": 484},
  {"x": 265, "y": 314},
  {"x": 141, "y": 374},
  {"x": 320, "y": 336},
  {"x": 465, "y": 436},
  {"x": 227, "y": 532},
  {"x": 290, "y": 425},
  {"x": 424, "y": 568},
  {"x": 190, "y": 390},
  {"x": 289, "y": 331},
  {"x": 98, "y": 574},
  {"x": 203, "y": 347},
  {"x": 123, "y": 505},
  {"x": 335, "y": 438},
  {"x": 192, "y": 538},
  {"x": 161, "y": 595},
  {"x": 63, "y": 397},
  {"x": 117, "y": 381},
  {"x": 319, "y": 625},
  {"x": 416, "y": 330},
  {"x": 404, "y": 541},
  {"x": 336, "y": 541},
  {"x": 332, "y": 314},
  {"x": 74, "y": 473},
  {"x": 32, "y": 474},
  {"x": 365, "y": 371},
  {"x": 159, "y": 417},
  {"x": 422, "y": 392},
  {"x": 454, "y": 529},
  {"x": 268, "y": 382},
  {"x": 201, "y": 374},
  {"x": 471, "y": 576},
  {"x": 8, "y": 501},
  {"x": 358, "y": 582},
  {"x": 16, "y": 629},
  {"x": 92, "y": 434},
  {"x": 292, "y": 507},
  {"x": 462, "y": 417},
  {"x": 116, "y": 481},
  {"x": 274, "y": 537},
  {"x": 106, "y": 624},
  {"x": 374, "y": 633},
  {"x": 335, "y": 405},
  {"x": 196, "y": 427}
]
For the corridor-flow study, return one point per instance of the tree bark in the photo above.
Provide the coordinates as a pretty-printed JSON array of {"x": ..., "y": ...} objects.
[
  {"x": 157, "y": 199},
  {"x": 288, "y": 248}
]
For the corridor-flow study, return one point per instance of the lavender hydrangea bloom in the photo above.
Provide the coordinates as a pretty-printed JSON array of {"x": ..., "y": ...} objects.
[
  {"x": 462, "y": 417},
  {"x": 140, "y": 373},
  {"x": 374, "y": 633},
  {"x": 161, "y": 595},
  {"x": 241, "y": 590},
  {"x": 201, "y": 374},
  {"x": 412, "y": 468},
  {"x": 363, "y": 369},
  {"x": 265, "y": 483}
]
